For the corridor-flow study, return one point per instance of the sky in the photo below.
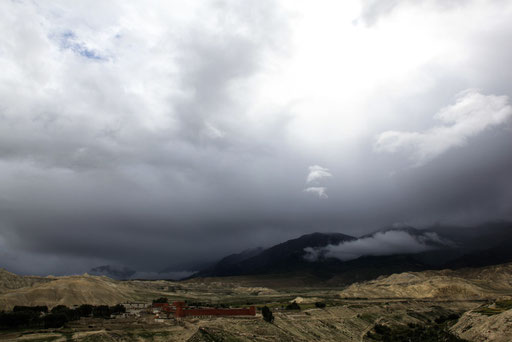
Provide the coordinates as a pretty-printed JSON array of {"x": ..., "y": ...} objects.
[{"x": 164, "y": 134}]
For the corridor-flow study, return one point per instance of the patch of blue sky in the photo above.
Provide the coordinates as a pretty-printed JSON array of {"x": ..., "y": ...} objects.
[{"x": 69, "y": 40}]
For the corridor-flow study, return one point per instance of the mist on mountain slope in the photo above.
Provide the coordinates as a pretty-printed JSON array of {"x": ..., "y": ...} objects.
[{"x": 381, "y": 243}]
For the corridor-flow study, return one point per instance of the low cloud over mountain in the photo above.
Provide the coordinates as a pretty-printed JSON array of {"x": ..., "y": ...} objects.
[{"x": 389, "y": 242}]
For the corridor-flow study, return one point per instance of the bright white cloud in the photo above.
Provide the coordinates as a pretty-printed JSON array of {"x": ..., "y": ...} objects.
[
  {"x": 320, "y": 191},
  {"x": 316, "y": 172},
  {"x": 471, "y": 114}
]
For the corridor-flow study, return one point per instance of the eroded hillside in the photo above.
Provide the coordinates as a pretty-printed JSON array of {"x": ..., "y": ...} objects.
[
  {"x": 10, "y": 281},
  {"x": 479, "y": 283},
  {"x": 487, "y": 322}
]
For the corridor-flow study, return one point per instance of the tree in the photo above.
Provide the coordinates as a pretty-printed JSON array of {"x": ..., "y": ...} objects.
[
  {"x": 55, "y": 320},
  {"x": 293, "y": 306},
  {"x": 37, "y": 309},
  {"x": 71, "y": 315},
  {"x": 117, "y": 309},
  {"x": 101, "y": 311},
  {"x": 59, "y": 308},
  {"x": 85, "y": 310},
  {"x": 267, "y": 314},
  {"x": 160, "y": 300},
  {"x": 18, "y": 319}
]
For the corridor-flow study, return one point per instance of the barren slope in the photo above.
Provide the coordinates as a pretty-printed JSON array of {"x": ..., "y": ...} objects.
[
  {"x": 488, "y": 282},
  {"x": 71, "y": 290},
  {"x": 483, "y": 325},
  {"x": 10, "y": 281}
]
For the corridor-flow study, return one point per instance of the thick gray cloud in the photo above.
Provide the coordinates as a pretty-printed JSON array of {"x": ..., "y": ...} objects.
[{"x": 164, "y": 135}]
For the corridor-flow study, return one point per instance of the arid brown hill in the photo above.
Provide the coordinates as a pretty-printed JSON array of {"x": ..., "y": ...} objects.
[
  {"x": 69, "y": 290},
  {"x": 11, "y": 281},
  {"x": 468, "y": 283}
]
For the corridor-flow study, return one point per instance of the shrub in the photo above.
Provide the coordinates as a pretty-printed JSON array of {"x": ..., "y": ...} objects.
[
  {"x": 101, "y": 311},
  {"x": 117, "y": 309},
  {"x": 37, "y": 309},
  {"x": 411, "y": 332},
  {"x": 19, "y": 319},
  {"x": 59, "y": 308},
  {"x": 55, "y": 320},
  {"x": 293, "y": 306},
  {"x": 450, "y": 317},
  {"x": 382, "y": 329},
  {"x": 267, "y": 314},
  {"x": 71, "y": 315},
  {"x": 85, "y": 310},
  {"x": 161, "y": 300}
]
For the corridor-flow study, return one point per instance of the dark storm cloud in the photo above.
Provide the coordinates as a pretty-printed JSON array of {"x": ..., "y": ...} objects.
[
  {"x": 169, "y": 152},
  {"x": 113, "y": 272}
]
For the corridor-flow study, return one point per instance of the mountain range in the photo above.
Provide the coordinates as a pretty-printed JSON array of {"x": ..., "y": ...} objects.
[
  {"x": 337, "y": 258},
  {"x": 341, "y": 259}
]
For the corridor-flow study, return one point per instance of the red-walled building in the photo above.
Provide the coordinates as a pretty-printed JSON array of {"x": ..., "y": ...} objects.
[{"x": 180, "y": 309}]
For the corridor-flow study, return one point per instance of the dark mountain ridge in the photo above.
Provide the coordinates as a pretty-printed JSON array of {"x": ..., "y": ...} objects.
[
  {"x": 282, "y": 257},
  {"x": 448, "y": 246}
]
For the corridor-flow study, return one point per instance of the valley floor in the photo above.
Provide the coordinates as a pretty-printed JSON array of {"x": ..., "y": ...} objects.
[
  {"x": 465, "y": 305},
  {"x": 348, "y": 321}
]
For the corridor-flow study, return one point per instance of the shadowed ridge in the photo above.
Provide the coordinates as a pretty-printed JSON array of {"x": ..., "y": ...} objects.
[{"x": 287, "y": 256}]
